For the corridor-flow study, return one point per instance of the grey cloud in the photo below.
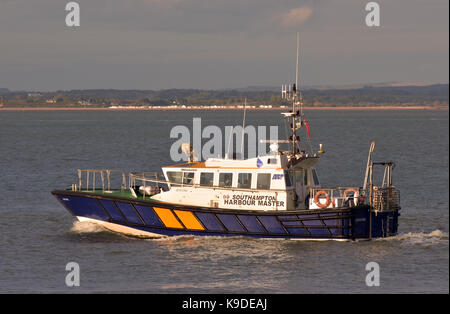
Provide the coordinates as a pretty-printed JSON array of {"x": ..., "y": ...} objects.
[
  {"x": 197, "y": 16},
  {"x": 219, "y": 43}
]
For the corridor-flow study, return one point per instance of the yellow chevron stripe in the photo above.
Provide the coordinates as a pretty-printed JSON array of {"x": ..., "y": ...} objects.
[
  {"x": 188, "y": 219},
  {"x": 169, "y": 220}
]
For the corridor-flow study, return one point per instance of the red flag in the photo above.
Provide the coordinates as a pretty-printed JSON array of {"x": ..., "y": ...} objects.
[{"x": 307, "y": 128}]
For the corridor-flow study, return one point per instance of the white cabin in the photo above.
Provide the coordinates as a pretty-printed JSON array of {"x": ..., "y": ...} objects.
[{"x": 262, "y": 183}]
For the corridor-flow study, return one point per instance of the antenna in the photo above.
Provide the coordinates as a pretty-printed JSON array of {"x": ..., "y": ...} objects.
[
  {"x": 286, "y": 90},
  {"x": 296, "y": 68},
  {"x": 300, "y": 96},
  {"x": 295, "y": 95},
  {"x": 229, "y": 143},
  {"x": 243, "y": 129}
]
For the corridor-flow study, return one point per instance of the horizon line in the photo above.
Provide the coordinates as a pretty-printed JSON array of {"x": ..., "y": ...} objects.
[{"x": 259, "y": 87}]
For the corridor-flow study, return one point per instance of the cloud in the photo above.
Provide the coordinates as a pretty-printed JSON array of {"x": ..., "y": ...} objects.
[
  {"x": 225, "y": 43},
  {"x": 162, "y": 3},
  {"x": 294, "y": 17}
]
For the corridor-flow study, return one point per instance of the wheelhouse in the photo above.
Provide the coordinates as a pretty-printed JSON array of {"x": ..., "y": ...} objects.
[{"x": 252, "y": 184}]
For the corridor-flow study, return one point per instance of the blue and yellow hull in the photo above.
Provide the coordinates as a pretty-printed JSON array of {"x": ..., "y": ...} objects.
[{"x": 156, "y": 219}]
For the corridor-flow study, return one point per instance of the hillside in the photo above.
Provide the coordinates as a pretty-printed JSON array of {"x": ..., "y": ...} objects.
[{"x": 431, "y": 95}]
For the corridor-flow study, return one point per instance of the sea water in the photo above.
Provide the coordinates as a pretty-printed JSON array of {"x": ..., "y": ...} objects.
[{"x": 41, "y": 151}]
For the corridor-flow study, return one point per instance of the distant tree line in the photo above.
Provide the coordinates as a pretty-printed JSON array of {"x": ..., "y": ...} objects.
[{"x": 432, "y": 95}]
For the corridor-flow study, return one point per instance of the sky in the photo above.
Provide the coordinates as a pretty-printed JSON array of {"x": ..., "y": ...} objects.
[{"x": 218, "y": 44}]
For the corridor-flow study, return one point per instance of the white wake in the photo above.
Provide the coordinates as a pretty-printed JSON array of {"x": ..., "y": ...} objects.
[
  {"x": 434, "y": 237},
  {"x": 86, "y": 227}
]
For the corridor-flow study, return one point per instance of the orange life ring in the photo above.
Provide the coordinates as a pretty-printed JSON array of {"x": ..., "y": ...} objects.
[
  {"x": 317, "y": 201},
  {"x": 355, "y": 192}
]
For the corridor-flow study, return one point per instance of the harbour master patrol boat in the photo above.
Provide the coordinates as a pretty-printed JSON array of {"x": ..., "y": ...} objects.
[{"x": 273, "y": 196}]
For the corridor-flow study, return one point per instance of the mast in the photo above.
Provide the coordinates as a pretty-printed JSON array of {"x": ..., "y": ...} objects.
[
  {"x": 295, "y": 116},
  {"x": 295, "y": 113},
  {"x": 296, "y": 68}
]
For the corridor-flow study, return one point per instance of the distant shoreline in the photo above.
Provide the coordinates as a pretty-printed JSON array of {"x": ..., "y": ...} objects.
[{"x": 222, "y": 108}]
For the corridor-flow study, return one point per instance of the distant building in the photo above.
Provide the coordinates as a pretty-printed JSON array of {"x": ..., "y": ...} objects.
[{"x": 85, "y": 103}]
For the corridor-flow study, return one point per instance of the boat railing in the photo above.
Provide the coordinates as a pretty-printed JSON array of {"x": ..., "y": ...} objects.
[
  {"x": 137, "y": 179},
  {"x": 89, "y": 176},
  {"x": 336, "y": 197},
  {"x": 386, "y": 198},
  {"x": 145, "y": 179}
]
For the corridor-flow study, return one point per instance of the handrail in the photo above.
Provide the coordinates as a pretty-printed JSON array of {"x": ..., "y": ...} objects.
[
  {"x": 133, "y": 176},
  {"x": 146, "y": 177},
  {"x": 340, "y": 189},
  {"x": 330, "y": 191},
  {"x": 386, "y": 198},
  {"x": 103, "y": 173}
]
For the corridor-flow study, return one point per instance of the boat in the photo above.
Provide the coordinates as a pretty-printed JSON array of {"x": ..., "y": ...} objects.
[{"x": 277, "y": 195}]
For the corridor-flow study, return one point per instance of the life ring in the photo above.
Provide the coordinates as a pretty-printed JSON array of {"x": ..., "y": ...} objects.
[
  {"x": 317, "y": 201},
  {"x": 355, "y": 192}
]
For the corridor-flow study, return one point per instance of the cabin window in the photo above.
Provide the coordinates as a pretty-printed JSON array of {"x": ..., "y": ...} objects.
[
  {"x": 245, "y": 180},
  {"x": 299, "y": 176},
  {"x": 263, "y": 181},
  {"x": 206, "y": 178},
  {"x": 225, "y": 179},
  {"x": 175, "y": 177},
  {"x": 272, "y": 161},
  {"x": 188, "y": 177},
  {"x": 287, "y": 178},
  {"x": 306, "y": 178},
  {"x": 315, "y": 177}
]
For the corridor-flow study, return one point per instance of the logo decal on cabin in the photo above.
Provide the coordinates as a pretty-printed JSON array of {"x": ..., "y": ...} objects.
[{"x": 259, "y": 163}]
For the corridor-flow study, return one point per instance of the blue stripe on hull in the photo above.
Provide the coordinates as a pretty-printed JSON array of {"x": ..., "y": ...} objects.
[
  {"x": 112, "y": 210},
  {"x": 85, "y": 207},
  {"x": 231, "y": 223},
  {"x": 251, "y": 224},
  {"x": 210, "y": 221},
  {"x": 149, "y": 216},
  {"x": 345, "y": 224},
  {"x": 271, "y": 224},
  {"x": 130, "y": 213}
]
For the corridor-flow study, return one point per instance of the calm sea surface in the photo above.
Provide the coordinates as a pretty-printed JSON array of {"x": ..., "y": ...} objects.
[{"x": 40, "y": 151}]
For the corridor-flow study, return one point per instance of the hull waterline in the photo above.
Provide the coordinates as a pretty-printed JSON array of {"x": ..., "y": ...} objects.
[{"x": 147, "y": 218}]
